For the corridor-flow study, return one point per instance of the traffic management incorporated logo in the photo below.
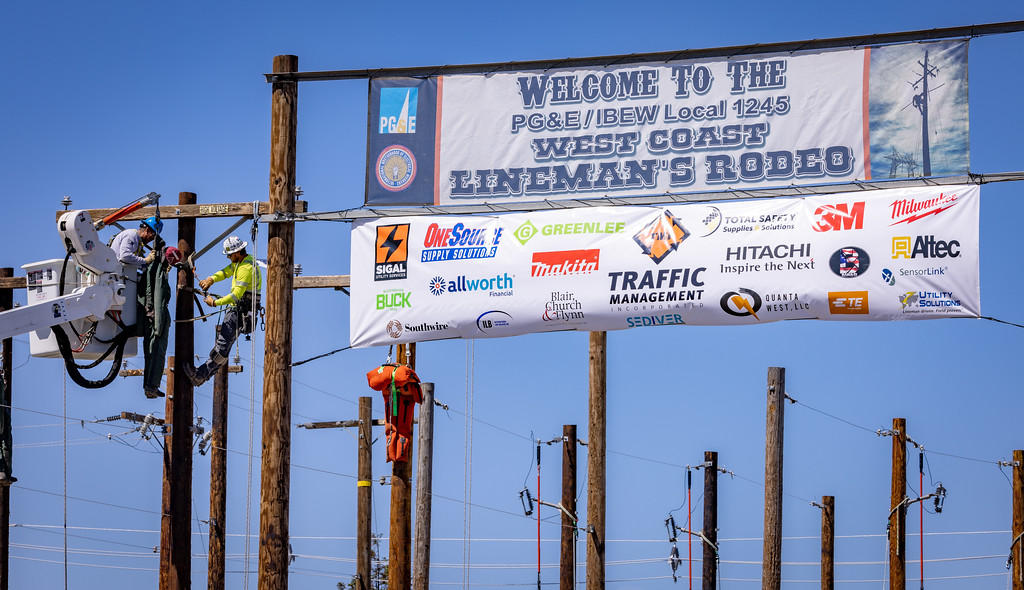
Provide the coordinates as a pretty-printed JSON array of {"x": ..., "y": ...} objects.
[
  {"x": 849, "y": 262},
  {"x": 565, "y": 262},
  {"x": 391, "y": 252},
  {"x": 910, "y": 210},
  {"x": 396, "y": 168},
  {"x": 398, "y": 110},
  {"x": 741, "y": 303},
  {"x": 848, "y": 302},
  {"x": 661, "y": 236},
  {"x": 838, "y": 217}
]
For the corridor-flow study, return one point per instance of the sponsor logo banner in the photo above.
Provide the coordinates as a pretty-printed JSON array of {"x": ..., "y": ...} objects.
[
  {"x": 642, "y": 129},
  {"x": 836, "y": 257}
]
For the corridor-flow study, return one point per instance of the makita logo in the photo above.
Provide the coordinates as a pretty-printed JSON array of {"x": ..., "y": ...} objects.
[
  {"x": 924, "y": 247},
  {"x": 564, "y": 262},
  {"x": 499, "y": 286},
  {"x": 910, "y": 210},
  {"x": 838, "y": 217}
]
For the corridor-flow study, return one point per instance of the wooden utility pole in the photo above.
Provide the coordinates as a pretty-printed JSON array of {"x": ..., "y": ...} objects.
[
  {"x": 400, "y": 542},
  {"x": 596, "y": 461},
  {"x": 709, "y": 563},
  {"x": 424, "y": 486},
  {"x": 218, "y": 479},
  {"x": 176, "y": 537},
  {"x": 1017, "y": 545},
  {"x": 828, "y": 542},
  {"x": 898, "y": 505},
  {"x": 6, "y": 303},
  {"x": 567, "y": 557},
  {"x": 771, "y": 572},
  {"x": 275, "y": 474},
  {"x": 364, "y": 500}
]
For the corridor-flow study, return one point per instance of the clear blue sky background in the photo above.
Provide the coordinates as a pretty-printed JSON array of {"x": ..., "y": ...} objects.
[{"x": 108, "y": 101}]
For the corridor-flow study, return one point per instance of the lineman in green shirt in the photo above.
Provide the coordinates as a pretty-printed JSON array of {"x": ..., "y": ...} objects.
[{"x": 241, "y": 302}]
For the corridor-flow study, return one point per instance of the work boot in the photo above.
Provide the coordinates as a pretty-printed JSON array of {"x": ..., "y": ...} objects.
[
  {"x": 6, "y": 480},
  {"x": 190, "y": 372},
  {"x": 153, "y": 392}
]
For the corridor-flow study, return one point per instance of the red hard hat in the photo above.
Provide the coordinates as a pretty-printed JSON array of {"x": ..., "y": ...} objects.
[{"x": 173, "y": 255}]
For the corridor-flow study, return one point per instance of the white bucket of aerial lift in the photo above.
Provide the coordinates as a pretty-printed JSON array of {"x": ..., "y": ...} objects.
[{"x": 95, "y": 282}]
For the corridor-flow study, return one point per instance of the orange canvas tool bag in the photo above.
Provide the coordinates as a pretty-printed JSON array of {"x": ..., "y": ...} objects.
[{"x": 401, "y": 388}]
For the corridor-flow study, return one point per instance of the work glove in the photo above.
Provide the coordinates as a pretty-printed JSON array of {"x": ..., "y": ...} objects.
[
  {"x": 151, "y": 256},
  {"x": 205, "y": 284}
]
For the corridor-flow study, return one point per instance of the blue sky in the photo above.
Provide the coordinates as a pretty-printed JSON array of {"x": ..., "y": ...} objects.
[{"x": 106, "y": 102}]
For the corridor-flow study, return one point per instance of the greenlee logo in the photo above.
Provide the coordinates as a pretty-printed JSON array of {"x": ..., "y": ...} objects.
[{"x": 525, "y": 231}]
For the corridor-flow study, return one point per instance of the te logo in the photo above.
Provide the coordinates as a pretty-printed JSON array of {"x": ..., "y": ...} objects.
[
  {"x": 839, "y": 217},
  {"x": 847, "y": 302}
]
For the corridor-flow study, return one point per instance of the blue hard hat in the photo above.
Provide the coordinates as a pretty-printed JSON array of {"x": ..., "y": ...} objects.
[{"x": 154, "y": 224}]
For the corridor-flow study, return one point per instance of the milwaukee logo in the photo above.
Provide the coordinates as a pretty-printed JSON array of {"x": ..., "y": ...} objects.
[
  {"x": 910, "y": 210},
  {"x": 564, "y": 262}
]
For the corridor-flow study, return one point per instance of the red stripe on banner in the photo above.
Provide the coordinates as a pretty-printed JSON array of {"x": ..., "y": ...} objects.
[
  {"x": 864, "y": 102},
  {"x": 437, "y": 143}
]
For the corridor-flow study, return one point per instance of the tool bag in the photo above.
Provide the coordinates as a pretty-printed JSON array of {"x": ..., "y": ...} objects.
[{"x": 401, "y": 388}]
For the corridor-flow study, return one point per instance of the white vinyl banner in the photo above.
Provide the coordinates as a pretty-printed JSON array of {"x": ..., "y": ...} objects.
[{"x": 899, "y": 254}]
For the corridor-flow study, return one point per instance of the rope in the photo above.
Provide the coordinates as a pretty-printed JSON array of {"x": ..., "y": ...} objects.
[
  {"x": 65, "y": 431},
  {"x": 1001, "y": 322},
  {"x": 252, "y": 411}
]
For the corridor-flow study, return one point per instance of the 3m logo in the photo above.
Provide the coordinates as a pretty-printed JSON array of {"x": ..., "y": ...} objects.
[
  {"x": 565, "y": 262},
  {"x": 661, "y": 236},
  {"x": 847, "y": 302},
  {"x": 839, "y": 217},
  {"x": 391, "y": 252}
]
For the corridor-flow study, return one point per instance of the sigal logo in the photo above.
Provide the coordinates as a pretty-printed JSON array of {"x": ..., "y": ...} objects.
[
  {"x": 396, "y": 168},
  {"x": 459, "y": 242},
  {"x": 497, "y": 286},
  {"x": 527, "y": 231},
  {"x": 849, "y": 262},
  {"x": 398, "y": 110},
  {"x": 924, "y": 247},
  {"x": 741, "y": 303},
  {"x": 838, "y": 217},
  {"x": 848, "y": 302},
  {"x": 768, "y": 258},
  {"x": 391, "y": 256},
  {"x": 661, "y": 236},
  {"x": 564, "y": 262},
  {"x": 493, "y": 320},
  {"x": 910, "y": 210},
  {"x": 562, "y": 307},
  {"x": 393, "y": 298}
]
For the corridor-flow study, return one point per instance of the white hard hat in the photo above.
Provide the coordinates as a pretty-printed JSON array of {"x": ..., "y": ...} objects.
[{"x": 234, "y": 244}]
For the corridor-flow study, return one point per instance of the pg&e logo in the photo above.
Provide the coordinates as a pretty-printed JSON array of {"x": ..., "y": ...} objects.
[{"x": 398, "y": 110}]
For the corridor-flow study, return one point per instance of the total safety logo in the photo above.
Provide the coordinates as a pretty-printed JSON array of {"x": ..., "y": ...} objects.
[
  {"x": 661, "y": 236},
  {"x": 391, "y": 252}
]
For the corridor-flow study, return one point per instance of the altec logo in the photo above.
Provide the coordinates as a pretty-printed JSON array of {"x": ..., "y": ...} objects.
[
  {"x": 924, "y": 247},
  {"x": 910, "y": 210},
  {"x": 564, "y": 262},
  {"x": 661, "y": 236},
  {"x": 839, "y": 217},
  {"x": 847, "y": 302},
  {"x": 391, "y": 252}
]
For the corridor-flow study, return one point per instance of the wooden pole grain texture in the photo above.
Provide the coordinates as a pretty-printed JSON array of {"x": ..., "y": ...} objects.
[
  {"x": 275, "y": 474},
  {"x": 6, "y": 303},
  {"x": 424, "y": 486},
  {"x": 218, "y": 479},
  {"x": 567, "y": 553},
  {"x": 364, "y": 491},
  {"x": 596, "y": 494},
  {"x": 1017, "y": 529},
  {"x": 771, "y": 572},
  {"x": 898, "y": 519},
  {"x": 709, "y": 562},
  {"x": 400, "y": 542},
  {"x": 828, "y": 542}
]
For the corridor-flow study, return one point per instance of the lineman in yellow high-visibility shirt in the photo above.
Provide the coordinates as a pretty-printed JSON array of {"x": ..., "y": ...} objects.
[{"x": 241, "y": 302}]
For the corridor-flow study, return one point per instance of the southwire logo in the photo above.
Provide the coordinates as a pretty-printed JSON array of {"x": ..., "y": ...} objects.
[
  {"x": 459, "y": 242},
  {"x": 398, "y": 110},
  {"x": 527, "y": 231},
  {"x": 910, "y": 210},
  {"x": 498, "y": 286},
  {"x": 565, "y": 262},
  {"x": 427, "y": 327},
  {"x": 838, "y": 217},
  {"x": 661, "y": 236}
]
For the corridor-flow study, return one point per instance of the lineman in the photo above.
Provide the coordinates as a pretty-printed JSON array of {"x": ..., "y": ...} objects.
[
  {"x": 243, "y": 299},
  {"x": 127, "y": 245}
]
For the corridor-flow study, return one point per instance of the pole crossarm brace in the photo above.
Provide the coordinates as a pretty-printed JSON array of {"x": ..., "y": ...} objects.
[
  {"x": 564, "y": 510},
  {"x": 343, "y": 424},
  {"x": 192, "y": 211},
  {"x": 140, "y": 373},
  {"x": 695, "y": 197},
  {"x": 699, "y": 534},
  {"x": 336, "y": 282},
  {"x": 663, "y": 56},
  {"x": 908, "y": 502}
]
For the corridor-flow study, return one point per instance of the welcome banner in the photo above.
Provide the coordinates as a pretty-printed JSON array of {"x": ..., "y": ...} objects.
[
  {"x": 760, "y": 121},
  {"x": 901, "y": 254}
]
